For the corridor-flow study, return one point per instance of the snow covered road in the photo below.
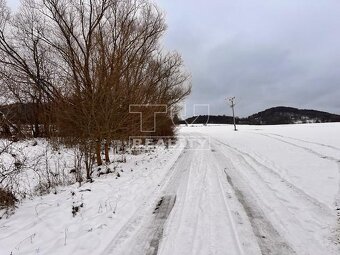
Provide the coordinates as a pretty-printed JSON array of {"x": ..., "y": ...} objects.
[
  {"x": 207, "y": 217},
  {"x": 288, "y": 189},
  {"x": 251, "y": 192},
  {"x": 271, "y": 190}
]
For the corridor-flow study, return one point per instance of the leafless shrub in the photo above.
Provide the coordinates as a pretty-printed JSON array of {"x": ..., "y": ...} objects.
[{"x": 7, "y": 199}]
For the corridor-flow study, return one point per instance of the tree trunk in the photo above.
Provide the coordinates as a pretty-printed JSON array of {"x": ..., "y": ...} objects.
[
  {"x": 6, "y": 130},
  {"x": 88, "y": 170},
  {"x": 107, "y": 150},
  {"x": 36, "y": 112},
  {"x": 36, "y": 130},
  {"x": 98, "y": 153}
]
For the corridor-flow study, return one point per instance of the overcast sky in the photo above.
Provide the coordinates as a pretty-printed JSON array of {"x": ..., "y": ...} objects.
[{"x": 265, "y": 52}]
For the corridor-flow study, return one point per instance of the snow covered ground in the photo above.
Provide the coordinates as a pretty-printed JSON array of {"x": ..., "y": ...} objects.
[{"x": 260, "y": 190}]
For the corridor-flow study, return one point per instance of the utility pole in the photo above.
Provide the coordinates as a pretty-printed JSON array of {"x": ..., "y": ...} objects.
[{"x": 232, "y": 105}]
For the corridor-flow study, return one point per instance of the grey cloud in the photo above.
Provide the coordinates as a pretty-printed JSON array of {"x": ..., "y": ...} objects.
[{"x": 266, "y": 53}]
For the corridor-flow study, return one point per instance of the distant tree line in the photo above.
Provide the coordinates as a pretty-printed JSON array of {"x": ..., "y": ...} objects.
[{"x": 273, "y": 116}]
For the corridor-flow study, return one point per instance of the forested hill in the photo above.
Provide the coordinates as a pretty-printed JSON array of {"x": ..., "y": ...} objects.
[{"x": 272, "y": 116}]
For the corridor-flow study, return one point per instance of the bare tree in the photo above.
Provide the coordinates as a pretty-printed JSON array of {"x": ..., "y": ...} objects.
[
  {"x": 83, "y": 63},
  {"x": 27, "y": 65},
  {"x": 112, "y": 50}
]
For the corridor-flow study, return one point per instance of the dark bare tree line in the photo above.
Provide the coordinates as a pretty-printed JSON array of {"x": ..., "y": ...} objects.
[{"x": 81, "y": 64}]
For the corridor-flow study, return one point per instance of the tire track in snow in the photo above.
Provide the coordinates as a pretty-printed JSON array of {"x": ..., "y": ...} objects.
[
  {"x": 161, "y": 212},
  {"x": 202, "y": 183},
  {"x": 144, "y": 209},
  {"x": 314, "y": 224},
  {"x": 305, "y": 141},
  {"x": 230, "y": 215},
  {"x": 336, "y": 160},
  {"x": 317, "y": 204},
  {"x": 193, "y": 180},
  {"x": 202, "y": 221},
  {"x": 199, "y": 183},
  {"x": 269, "y": 239}
]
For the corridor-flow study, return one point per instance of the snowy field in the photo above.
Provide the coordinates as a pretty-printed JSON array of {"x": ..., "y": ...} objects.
[{"x": 261, "y": 190}]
